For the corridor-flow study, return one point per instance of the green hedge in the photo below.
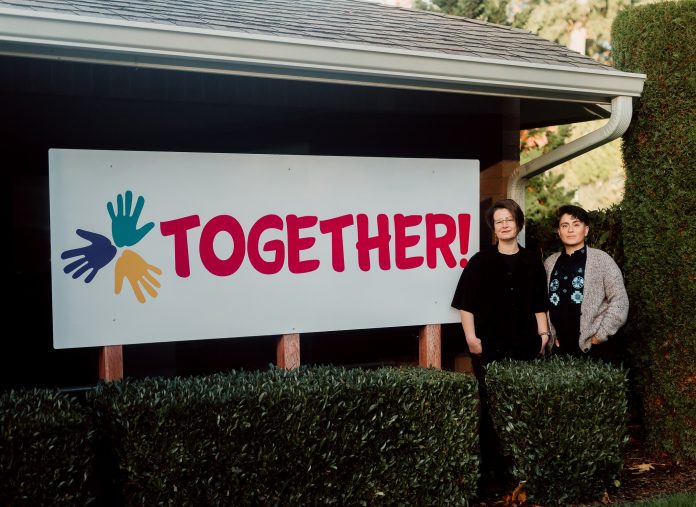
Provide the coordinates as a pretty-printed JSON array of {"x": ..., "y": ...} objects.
[
  {"x": 46, "y": 450},
  {"x": 659, "y": 216},
  {"x": 562, "y": 421},
  {"x": 324, "y": 435},
  {"x": 305, "y": 437}
]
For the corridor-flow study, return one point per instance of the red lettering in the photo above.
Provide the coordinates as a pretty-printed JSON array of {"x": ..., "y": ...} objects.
[
  {"x": 335, "y": 226},
  {"x": 433, "y": 242},
  {"x": 215, "y": 265},
  {"x": 275, "y": 245},
  {"x": 440, "y": 232},
  {"x": 402, "y": 241},
  {"x": 380, "y": 242},
  {"x": 296, "y": 244},
  {"x": 464, "y": 220},
  {"x": 179, "y": 229}
]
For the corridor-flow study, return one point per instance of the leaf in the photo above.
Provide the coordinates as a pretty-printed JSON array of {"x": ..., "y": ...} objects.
[
  {"x": 642, "y": 468},
  {"x": 517, "y": 494}
]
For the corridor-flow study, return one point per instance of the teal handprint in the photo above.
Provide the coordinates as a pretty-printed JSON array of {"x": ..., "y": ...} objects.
[{"x": 124, "y": 224}]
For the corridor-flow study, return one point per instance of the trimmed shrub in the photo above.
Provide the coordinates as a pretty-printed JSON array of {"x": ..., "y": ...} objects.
[
  {"x": 562, "y": 421},
  {"x": 46, "y": 453},
  {"x": 323, "y": 435},
  {"x": 659, "y": 210}
]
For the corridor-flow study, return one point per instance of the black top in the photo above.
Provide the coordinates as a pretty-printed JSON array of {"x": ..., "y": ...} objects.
[
  {"x": 565, "y": 295},
  {"x": 503, "y": 292}
]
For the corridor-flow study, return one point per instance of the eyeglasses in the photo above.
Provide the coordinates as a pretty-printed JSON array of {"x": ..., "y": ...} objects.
[{"x": 504, "y": 221}]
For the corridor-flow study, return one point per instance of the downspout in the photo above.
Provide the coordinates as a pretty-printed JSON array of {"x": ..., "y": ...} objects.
[{"x": 620, "y": 119}]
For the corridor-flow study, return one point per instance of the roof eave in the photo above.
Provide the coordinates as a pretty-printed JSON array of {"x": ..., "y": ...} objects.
[{"x": 104, "y": 40}]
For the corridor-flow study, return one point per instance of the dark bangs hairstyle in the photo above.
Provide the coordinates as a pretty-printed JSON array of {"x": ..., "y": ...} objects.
[
  {"x": 574, "y": 211},
  {"x": 509, "y": 205}
]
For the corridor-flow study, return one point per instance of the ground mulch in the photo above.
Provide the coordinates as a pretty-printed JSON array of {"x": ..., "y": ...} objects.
[
  {"x": 645, "y": 475},
  {"x": 649, "y": 475}
]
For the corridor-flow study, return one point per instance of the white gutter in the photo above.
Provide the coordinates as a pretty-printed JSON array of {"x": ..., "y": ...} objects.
[
  {"x": 30, "y": 33},
  {"x": 620, "y": 119}
]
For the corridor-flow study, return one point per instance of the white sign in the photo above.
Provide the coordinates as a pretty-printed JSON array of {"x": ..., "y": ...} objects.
[{"x": 162, "y": 246}]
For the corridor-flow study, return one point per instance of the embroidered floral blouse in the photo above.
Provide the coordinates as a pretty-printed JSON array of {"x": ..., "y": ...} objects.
[{"x": 566, "y": 293}]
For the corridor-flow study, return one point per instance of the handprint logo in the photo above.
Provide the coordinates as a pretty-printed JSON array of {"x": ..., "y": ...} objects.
[
  {"x": 90, "y": 258},
  {"x": 130, "y": 265},
  {"x": 124, "y": 225},
  {"x": 100, "y": 251}
]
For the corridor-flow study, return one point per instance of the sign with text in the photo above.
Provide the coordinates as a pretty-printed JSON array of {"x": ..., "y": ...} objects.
[{"x": 163, "y": 246}]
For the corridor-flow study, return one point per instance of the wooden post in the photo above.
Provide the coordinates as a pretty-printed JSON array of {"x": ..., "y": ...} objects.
[
  {"x": 429, "y": 346},
  {"x": 462, "y": 364},
  {"x": 111, "y": 363},
  {"x": 288, "y": 351}
]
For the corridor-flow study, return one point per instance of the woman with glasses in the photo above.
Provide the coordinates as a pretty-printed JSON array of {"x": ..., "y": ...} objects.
[
  {"x": 502, "y": 299},
  {"x": 502, "y": 295}
]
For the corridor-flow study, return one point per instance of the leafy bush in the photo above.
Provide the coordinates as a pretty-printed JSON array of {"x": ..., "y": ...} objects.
[
  {"x": 562, "y": 421},
  {"x": 46, "y": 453},
  {"x": 659, "y": 214},
  {"x": 310, "y": 436}
]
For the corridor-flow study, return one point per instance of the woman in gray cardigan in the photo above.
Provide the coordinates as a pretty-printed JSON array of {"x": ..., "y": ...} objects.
[{"x": 588, "y": 300}]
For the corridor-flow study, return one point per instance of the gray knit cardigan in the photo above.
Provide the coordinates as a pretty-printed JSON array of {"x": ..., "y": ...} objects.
[{"x": 604, "y": 308}]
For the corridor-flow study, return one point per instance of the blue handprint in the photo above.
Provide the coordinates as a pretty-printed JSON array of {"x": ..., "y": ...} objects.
[
  {"x": 94, "y": 256},
  {"x": 124, "y": 225}
]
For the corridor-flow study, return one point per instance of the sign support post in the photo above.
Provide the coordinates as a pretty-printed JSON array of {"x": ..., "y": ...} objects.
[
  {"x": 429, "y": 346},
  {"x": 111, "y": 363},
  {"x": 288, "y": 351}
]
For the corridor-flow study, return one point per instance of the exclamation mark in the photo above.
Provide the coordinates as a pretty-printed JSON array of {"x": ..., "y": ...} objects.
[{"x": 464, "y": 225}]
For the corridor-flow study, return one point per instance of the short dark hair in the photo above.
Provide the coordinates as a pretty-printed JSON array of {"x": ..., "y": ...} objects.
[
  {"x": 574, "y": 211},
  {"x": 509, "y": 205}
]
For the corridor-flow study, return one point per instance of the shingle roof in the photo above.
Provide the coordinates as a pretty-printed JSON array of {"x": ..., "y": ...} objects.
[{"x": 334, "y": 21}]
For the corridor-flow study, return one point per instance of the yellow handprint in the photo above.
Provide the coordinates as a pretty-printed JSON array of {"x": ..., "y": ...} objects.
[{"x": 130, "y": 265}]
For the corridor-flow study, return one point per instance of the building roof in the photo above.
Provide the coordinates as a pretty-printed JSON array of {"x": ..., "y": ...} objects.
[
  {"x": 342, "y": 21},
  {"x": 347, "y": 41}
]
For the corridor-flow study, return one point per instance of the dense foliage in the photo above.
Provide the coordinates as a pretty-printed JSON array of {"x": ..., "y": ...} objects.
[
  {"x": 313, "y": 436},
  {"x": 306, "y": 437},
  {"x": 659, "y": 213},
  {"x": 46, "y": 450},
  {"x": 544, "y": 194},
  {"x": 563, "y": 423}
]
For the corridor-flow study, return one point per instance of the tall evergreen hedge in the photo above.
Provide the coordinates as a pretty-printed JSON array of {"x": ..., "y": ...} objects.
[{"x": 659, "y": 215}]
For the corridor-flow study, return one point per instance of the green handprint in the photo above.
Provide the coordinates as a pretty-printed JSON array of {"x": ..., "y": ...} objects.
[{"x": 124, "y": 225}]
